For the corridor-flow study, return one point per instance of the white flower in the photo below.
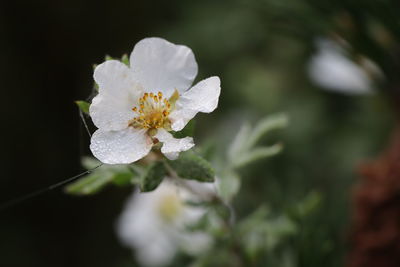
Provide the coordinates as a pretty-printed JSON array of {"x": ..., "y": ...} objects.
[
  {"x": 154, "y": 224},
  {"x": 331, "y": 69},
  {"x": 138, "y": 105}
]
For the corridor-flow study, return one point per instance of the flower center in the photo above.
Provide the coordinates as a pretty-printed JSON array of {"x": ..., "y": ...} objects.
[
  {"x": 170, "y": 207},
  {"x": 153, "y": 111}
]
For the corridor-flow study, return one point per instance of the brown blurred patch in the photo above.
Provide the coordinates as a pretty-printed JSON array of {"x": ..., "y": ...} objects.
[{"x": 375, "y": 230}]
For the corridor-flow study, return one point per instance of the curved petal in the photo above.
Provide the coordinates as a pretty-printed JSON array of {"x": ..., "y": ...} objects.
[
  {"x": 120, "y": 147},
  {"x": 109, "y": 114},
  {"x": 159, "y": 65},
  {"x": 331, "y": 69},
  {"x": 203, "y": 97},
  {"x": 172, "y": 146},
  {"x": 115, "y": 78},
  {"x": 118, "y": 94}
]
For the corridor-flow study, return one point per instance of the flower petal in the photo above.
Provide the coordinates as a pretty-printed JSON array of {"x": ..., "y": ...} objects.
[
  {"x": 120, "y": 147},
  {"x": 116, "y": 79},
  {"x": 203, "y": 97},
  {"x": 118, "y": 94},
  {"x": 172, "y": 146},
  {"x": 109, "y": 114},
  {"x": 159, "y": 65},
  {"x": 333, "y": 70}
]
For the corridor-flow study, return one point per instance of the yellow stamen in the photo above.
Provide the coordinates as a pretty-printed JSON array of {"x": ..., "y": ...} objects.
[{"x": 153, "y": 111}]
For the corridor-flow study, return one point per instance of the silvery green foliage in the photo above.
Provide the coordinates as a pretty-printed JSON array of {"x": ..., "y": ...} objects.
[
  {"x": 262, "y": 232},
  {"x": 247, "y": 241},
  {"x": 244, "y": 151},
  {"x": 101, "y": 177}
]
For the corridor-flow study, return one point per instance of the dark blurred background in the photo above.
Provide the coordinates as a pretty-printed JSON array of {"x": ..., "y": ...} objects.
[{"x": 260, "y": 49}]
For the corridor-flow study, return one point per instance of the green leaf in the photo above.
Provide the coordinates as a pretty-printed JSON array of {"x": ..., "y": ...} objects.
[
  {"x": 187, "y": 131},
  {"x": 108, "y": 57},
  {"x": 239, "y": 142},
  {"x": 277, "y": 121},
  {"x": 309, "y": 204},
  {"x": 122, "y": 179},
  {"x": 193, "y": 167},
  {"x": 120, "y": 175},
  {"x": 263, "y": 231},
  {"x": 125, "y": 59},
  {"x": 229, "y": 185},
  {"x": 96, "y": 181},
  {"x": 90, "y": 163},
  {"x": 89, "y": 184},
  {"x": 83, "y": 106},
  {"x": 256, "y": 154},
  {"x": 247, "y": 138},
  {"x": 152, "y": 176}
]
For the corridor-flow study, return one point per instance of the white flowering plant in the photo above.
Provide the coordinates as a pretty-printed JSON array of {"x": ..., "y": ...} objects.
[{"x": 183, "y": 203}]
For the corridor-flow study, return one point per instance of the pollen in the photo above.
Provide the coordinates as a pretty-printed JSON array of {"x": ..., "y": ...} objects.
[{"x": 152, "y": 112}]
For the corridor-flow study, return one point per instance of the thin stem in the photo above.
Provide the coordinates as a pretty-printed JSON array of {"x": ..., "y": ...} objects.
[{"x": 15, "y": 201}]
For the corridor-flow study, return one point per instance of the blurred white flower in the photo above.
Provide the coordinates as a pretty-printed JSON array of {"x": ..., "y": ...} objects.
[
  {"x": 138, "y": 105},
  {"x": 154, "y": 224},
  {"x": 331, "y": 69}
]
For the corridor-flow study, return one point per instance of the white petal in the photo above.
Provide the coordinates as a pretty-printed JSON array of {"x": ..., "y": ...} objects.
[
  {"x": 196, "y": 242},
  {"x": 203, "y": 97},
  {"x": 155, "y": 240},
  {"x": 120, "y": 147},
  {"x": 141, "y": 228},
  {"x": 111, "y": 109},
  {"x": 116, "y": 79},
  {"x": 198, "y": 191},
  {"x": 159, "y": 252},
  {"x": 331, "y": 69},
  {"x": 159, "y": 65},
  {"x": 172, "y": 146},
  {"x": 108, "y": 114}
]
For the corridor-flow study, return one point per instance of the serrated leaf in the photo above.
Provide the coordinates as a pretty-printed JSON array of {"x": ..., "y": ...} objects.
[
  {"x": 193, "y": 167},
  {"x": 187, "y": 131},
  {"x": 89, "y": 184},
  {"x": 152, "y": 176},
  {"x": 83, "y": 106}
]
